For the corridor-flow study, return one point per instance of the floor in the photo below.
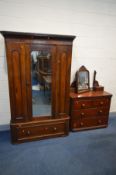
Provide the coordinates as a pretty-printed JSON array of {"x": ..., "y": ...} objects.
[{"x": 91, "y": 152}]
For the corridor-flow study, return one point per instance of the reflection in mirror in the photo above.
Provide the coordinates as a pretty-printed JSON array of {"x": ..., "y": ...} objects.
[
  {"x": 83, "y": 80},
  {"x": 41, "y": 82}
]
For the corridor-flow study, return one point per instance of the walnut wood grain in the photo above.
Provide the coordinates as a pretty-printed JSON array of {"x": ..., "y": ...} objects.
[
  {"x": 89, "y": 110},
  {"x": 25, "y": 127}
]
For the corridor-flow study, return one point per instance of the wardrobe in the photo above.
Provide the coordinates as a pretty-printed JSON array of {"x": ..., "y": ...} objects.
[{"x": 39, "y": 68}]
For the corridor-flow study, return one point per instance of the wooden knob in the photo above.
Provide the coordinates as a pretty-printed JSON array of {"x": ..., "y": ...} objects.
[
  {"x": 83, "y": 105},
  {"x": 101, "y": 103},
  {"x": 99, "y": 121},
  {"x": 74, "y": 125},
  {"x": 55, "y": 128},
  {"x": 82, "y": 114},
  {"x": 81, "y": 124},
  {"x": 28, "y": 132},
  {"x": 100, "y": 111},
  {"x": 77, "y": 102}
]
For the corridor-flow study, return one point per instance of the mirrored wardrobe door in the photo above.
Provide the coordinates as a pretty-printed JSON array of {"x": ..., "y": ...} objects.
[{"x": 41, "y": 80}]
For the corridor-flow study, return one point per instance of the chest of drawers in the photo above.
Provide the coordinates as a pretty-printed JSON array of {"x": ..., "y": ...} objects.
[{"x": 89, "y": 110}]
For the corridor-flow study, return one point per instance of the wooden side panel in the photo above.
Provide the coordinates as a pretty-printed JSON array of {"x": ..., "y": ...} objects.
[
  {"x": 17, "y": 81},
  {"x": 62, "y": 80},
  {"x": 28, "y": 81}
]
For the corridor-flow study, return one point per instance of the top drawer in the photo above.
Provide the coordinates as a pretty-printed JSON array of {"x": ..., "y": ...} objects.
[{"x": 91, "y": 103}]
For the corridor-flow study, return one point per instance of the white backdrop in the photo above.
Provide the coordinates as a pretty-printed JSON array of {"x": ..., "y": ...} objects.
[{"x": 92, "y": 21}]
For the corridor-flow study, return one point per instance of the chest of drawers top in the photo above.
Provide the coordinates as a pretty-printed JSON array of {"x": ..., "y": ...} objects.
[{"x": 91, "y": 94}]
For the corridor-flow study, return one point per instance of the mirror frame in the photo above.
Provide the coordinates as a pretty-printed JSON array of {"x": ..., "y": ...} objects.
[{"x": 78, "y": 77}]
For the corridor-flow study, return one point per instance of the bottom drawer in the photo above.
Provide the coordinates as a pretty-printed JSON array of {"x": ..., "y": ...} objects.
[
  {"x": 40, "y": 131},
  {"x": 37, "y": 131},
  {"x": 89, "y": 123}
]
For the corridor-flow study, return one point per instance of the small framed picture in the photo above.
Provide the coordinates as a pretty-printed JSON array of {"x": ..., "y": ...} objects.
[{"x": 82, "y": 80}]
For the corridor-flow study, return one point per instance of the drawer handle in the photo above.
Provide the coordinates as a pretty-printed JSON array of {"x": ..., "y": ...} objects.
[
  {"x": 101, "y": 103},
  {"x": 82, "y": 114},
  {"x": 55, "y": 128},
  {"x": 76, "y": 103},
  {"x": 99, "y": 121},
  {"x": 100, "y": 111},
  {"x": 28, "y": 132},
  {"x": 81, "y": 124},
  {"x": 74, "y": 125},
  {"x": 83, "y": 105}
]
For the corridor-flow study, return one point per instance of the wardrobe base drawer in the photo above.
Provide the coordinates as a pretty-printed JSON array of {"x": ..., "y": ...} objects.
[{"x": 37, "y": 131}]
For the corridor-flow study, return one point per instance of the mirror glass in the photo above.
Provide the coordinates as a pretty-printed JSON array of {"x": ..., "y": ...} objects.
[
  {"x": 41, "y": 82},
  {"x": 83, "y": 80}
]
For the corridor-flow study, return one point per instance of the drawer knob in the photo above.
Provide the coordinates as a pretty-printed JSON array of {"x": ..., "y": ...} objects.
[
  {"x": 101, "y": 103},
  {"x": 81, "y": 124},
  {"x": 55, "y": 128},
  {"x": 83, "y": 105},
  {"x": 23, "y": 131},
  {"x": 82, "y": 114},
  {"x": 99, "y": 121},
  {"x": 100, "y": 111},
  {"x": 28, "y": 132},
  {"x": 74, "y": 125}
]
